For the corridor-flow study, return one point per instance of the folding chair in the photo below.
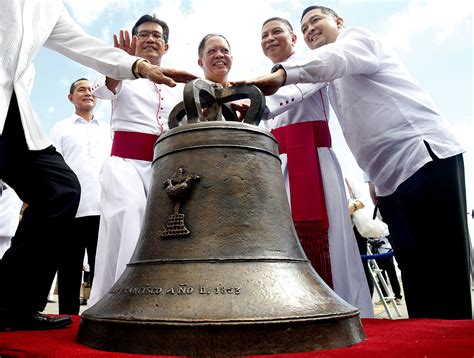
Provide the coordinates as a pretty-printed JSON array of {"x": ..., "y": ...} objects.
[{"x": 377, "y": 273}]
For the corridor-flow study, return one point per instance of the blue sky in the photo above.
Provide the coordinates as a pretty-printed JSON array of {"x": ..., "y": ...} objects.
[{"x": 433, "y": 38}]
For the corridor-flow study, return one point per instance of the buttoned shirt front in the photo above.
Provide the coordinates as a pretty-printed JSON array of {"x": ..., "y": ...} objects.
[
  {"x": 139, "y": 105},
  {"x": 85, "y": 146},
  {"x": 385, "y": 115}
]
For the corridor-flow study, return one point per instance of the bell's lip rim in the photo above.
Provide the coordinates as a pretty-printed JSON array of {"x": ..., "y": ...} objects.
[
  {"x": 216, "y": 125},
  {"x": 354, "y": 313}
]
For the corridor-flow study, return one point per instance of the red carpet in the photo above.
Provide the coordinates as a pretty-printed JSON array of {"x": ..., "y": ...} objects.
[{"x": 421, "y": 338}]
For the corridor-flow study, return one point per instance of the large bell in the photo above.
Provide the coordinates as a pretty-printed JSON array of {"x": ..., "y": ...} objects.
[{"x": 218, "y": 269}]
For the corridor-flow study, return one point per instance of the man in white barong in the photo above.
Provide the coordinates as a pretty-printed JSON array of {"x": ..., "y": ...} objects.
[
  {"x": 28, "y": 162},
  {"x": 140, "y": 111},
  {"x": 313, "y": 177},
  {"x": 84, "y": 142},
  {"x": 405, "y": 146}
]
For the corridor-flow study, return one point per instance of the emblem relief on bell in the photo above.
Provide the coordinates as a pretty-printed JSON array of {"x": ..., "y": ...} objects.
[
  {"x": 178, "y": 188},
  {"x": 242, "y": 285}
]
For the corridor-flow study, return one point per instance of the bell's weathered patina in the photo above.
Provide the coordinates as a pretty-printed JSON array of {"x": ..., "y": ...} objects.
[{"x": 218, "y": 269}]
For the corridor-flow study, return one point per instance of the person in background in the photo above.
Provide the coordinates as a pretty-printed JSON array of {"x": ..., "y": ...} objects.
[
  {"x": 28, "y": 162},
  {"x": 84, "y": 142},
  {"x": 140, "y": 115},
  {"x": 298, "y": 117},
  {"x": 404, "y": 144}
]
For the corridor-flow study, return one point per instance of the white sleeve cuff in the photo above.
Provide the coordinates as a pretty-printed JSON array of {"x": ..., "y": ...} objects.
[
  {"x": 292, "y": 75},
  {"x": 100, "y": 90}
]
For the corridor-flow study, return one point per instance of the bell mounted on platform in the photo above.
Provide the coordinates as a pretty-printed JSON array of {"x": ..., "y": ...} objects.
[{"x": 218, "y": 269}]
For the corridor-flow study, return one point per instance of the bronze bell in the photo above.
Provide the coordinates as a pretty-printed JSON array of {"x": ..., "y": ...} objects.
[{"x": 218, "y": 269}]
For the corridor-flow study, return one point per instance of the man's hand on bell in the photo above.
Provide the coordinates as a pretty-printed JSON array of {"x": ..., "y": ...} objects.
[
  {"x": 162, "y": 75},
  {"x": 268, "y": 84}
]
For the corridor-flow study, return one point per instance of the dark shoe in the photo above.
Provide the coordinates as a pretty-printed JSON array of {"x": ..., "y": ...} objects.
[{"x": 34, "y": 322}]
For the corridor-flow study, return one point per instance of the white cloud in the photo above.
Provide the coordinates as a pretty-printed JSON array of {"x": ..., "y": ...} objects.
[
  {"x": 189, "y": 20},
  {"x": 439, "y": 18},
  {"x": 87, "y": 11},
  {"x": 240, "y": 22}
]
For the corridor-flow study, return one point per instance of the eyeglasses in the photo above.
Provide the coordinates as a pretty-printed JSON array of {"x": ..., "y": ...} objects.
[{"x": 143, "y": 35}]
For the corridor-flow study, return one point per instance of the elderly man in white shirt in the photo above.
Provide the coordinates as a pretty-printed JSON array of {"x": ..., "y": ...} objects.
[
  {"x": 30, "y": 165},
  {"x": 313, "y": 177},
  {"x": 400, "y": 139},
  {"x": 139, "y": 116},
  {"x": 85, "y": 142}
]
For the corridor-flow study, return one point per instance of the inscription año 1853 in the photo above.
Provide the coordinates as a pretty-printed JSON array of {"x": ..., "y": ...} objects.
[{"x": 181, "y": 289}]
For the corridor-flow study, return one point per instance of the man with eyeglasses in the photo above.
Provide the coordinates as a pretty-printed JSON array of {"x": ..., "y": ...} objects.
[
  {"x": 140, "y": 111},
  {"x": 28, "y": 162},
  {"x": 404, "y": 144}
]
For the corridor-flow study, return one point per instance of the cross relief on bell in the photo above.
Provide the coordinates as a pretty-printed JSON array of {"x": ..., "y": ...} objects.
[{"x": 178, "y": 188}]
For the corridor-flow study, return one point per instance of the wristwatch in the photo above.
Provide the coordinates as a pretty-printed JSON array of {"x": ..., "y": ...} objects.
[
  {"x": 277, "y": 67},
  {"x": 135, "y": 66}
]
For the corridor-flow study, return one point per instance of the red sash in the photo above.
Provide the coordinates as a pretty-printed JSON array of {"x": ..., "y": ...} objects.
[
  {"x": 300, "y": 142},
  {"x": 134, "y": 145},
  {"x": 308, "y": 204}
]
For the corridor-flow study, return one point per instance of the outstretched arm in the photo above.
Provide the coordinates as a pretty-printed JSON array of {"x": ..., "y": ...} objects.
[
  {"x": 69, "y": 39},
  {"x": 167, "y": 76},
  {"x": 268, "y": 84},
  {"x": 288, "y": 97}
]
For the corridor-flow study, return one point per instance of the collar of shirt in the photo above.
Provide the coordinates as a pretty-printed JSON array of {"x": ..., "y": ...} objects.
[{"x": 77, "y": 118}]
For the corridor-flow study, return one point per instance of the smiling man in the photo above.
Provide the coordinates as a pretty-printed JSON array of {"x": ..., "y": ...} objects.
[
  {"x": 84, "y": 142},
  {"x": 312, "y": 174},
  {"x": 140, "y": 115},
  {"x": 404, "y": 144},
  {"x": 215, "y": 58}
]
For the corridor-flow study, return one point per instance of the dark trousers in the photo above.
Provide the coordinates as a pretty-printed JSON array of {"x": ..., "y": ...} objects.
[
  {"x": 388, "y": 271},
  {"x": 362, "y": 245},
  {"x": 84, "y": 232},
  {"x": 44, "y": 181},
  {"x": 427, "y": 220}
]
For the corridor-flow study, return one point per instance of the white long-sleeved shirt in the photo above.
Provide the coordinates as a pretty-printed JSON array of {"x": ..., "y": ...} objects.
[
  {"x": 140, "y": 105},
  {"x": 385, "y": 115},
  {"x": 85, "y": 146},
  {"x": 26, "y": 26},
  {"x": 296, "y": 103}
]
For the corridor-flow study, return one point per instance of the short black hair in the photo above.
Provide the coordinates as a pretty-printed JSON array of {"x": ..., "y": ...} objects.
[
  {"x": 323, "y": 9},
  {"x": 152, "y": 18},
  {"x": 280, "y": 19},
  {"x": 202, "y": 44},
  {"x": 73, "y": 85}
]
